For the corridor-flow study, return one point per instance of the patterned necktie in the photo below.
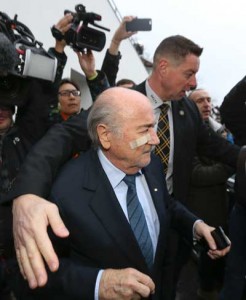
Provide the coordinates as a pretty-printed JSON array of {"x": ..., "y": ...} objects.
[
  {"x": 163, "y": 133},
  {"x": 137, "y": 220}
]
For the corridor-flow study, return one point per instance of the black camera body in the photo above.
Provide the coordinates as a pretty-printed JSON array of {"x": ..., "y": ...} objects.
[
  {"x": 80, "y": 36},
  {"x": 21, "y": 57},
  {"x": 34, "y": 60}
]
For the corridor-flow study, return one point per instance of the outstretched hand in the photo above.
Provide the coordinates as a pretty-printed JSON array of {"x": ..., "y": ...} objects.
[{"x": 31, "y": 217}]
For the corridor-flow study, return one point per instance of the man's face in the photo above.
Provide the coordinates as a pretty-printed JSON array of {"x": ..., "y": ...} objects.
[
  {"x": 203, "y": 102},
  {"x": 178, "y": 79},
  {"x": 133, "y": 127},
  {"x": 5, "y": 118},
  {"x": 68, "y": 99}
]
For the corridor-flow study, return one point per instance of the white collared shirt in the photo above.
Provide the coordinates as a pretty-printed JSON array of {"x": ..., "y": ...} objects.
[
  {"x": 156, "y": 102},
  {"x": 115, "y": 177}
]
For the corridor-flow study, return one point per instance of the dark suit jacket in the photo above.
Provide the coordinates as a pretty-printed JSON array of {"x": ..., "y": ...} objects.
[
  {"x": 233, "y": 112},
  {"x": 192, "y": 136},
  {"x": 100, "y": 235}
]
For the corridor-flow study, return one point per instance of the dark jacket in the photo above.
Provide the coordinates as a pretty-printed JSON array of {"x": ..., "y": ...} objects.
[
  {"x": 208, "y": 198},
  {"x": 192, "y": 137},
  {"x": 100, "y": 235},
  {"x": 233, "y": 112},
  {"x": 31, "y": 123},
  {"x": 110, "y": 66}
]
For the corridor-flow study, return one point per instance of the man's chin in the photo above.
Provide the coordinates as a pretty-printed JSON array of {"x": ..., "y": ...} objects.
[
  {"x": 180, "y": 96},
  {"x": 145, "y": 161}
]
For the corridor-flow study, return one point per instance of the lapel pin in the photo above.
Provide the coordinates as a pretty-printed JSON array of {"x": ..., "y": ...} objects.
[
  {"x": 181, "y": 112},
  {"x": 155, "y": 189}
]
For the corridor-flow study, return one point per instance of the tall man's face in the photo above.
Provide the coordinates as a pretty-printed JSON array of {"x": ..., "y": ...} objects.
[{"x": 178, "y": 78}]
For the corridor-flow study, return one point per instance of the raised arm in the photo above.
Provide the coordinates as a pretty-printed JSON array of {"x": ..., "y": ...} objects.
[{"x": 112, "y": 57}]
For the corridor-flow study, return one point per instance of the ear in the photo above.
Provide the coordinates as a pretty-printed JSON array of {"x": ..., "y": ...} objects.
[
  {"x": 163, "y": 66},
  {"x": 104, "y": 136}
]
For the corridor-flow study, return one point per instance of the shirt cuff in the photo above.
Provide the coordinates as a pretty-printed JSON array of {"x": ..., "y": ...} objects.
[
  {"x": 99, "y": 275},
  {"x": 195, "y": 236}
]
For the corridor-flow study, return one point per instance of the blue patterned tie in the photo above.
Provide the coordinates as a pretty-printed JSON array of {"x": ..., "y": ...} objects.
[{"x": 137, "y": 220}]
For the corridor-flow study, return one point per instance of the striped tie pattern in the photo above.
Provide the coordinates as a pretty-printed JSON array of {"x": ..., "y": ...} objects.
[
  {"x": 137, "y": 220},
  {"x": 163, "y": 133}
]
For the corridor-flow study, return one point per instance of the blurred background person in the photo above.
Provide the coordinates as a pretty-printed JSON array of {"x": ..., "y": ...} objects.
[
  {"x": 208, "y": 198},
  {"x": 233, "y": 112},
  {"x": 128, "y": 83}
]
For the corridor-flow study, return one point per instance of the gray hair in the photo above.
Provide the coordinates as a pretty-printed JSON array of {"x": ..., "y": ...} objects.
[{"x": 103, "y": 112}]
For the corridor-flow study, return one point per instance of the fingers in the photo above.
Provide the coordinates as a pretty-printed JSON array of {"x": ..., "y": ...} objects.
[
  {"x": 147, "y": 283},
  {"x": 203, "y": 230},
  {"x": 128, "y": 19},
  {"x": 18, "y": 256},
  {"x": 87, "y": 62},
  {"x": 215, "y": 254},
  {"x": 26, "y": 257},
  {"x": 125, "y": 284},
  {"x": 64, "y": 23},
  {"x": 33, "y": 266},
  {"x": 31, "y": 216},
  {"x": 56, "y": 222},
  {"x": 43, "y": 241}
]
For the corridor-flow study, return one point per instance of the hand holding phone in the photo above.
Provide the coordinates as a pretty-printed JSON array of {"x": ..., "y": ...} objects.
[
  {"x": 220, "y": 238},
  {"x": 144, "y": 24}
]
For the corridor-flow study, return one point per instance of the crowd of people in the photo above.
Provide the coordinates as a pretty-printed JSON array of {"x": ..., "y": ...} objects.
[{"x": 109, "y": 202}]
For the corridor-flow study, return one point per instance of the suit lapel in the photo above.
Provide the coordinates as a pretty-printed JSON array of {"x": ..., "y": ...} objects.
[{"x": 106, "y": 207}]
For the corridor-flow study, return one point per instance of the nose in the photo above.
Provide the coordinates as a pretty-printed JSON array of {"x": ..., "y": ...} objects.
[
  {"x": 154, "y": 140},
  {"x": 193, "y": 81}
]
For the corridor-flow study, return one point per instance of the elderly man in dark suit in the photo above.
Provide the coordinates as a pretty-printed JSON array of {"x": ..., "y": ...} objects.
[
  {"x": 176, "y": 62},
  {"x": 108, "y": 255}
]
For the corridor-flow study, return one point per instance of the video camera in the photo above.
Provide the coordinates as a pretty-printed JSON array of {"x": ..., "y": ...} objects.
[
  {"x": 80, "y": 36},
  {"x": 33, "y": 60}
]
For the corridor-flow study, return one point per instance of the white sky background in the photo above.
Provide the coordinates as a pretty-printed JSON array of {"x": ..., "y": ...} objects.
[{"x": 219, "y": 26}]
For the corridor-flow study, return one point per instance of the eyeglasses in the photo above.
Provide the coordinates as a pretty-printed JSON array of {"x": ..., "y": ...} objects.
[{"x": 67, "y": 93}]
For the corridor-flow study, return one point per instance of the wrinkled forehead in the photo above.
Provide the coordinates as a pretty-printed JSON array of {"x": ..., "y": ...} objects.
[{"x": 200, "y": 94}]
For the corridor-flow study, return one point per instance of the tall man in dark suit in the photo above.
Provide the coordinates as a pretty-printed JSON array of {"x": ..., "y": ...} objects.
[
  {"x": 176, "y": 62},
  {"x": 106, "y": 254}
]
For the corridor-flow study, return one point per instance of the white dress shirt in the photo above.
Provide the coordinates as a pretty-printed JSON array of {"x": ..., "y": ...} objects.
[
  {"x": 116, "y": 177},
  {"x": 156, "y": 102}
]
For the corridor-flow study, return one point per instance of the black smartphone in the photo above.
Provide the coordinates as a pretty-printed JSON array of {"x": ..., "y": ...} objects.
[
  {"x": 220, "y": 238},
  {"x": 139, "y": 25}
]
